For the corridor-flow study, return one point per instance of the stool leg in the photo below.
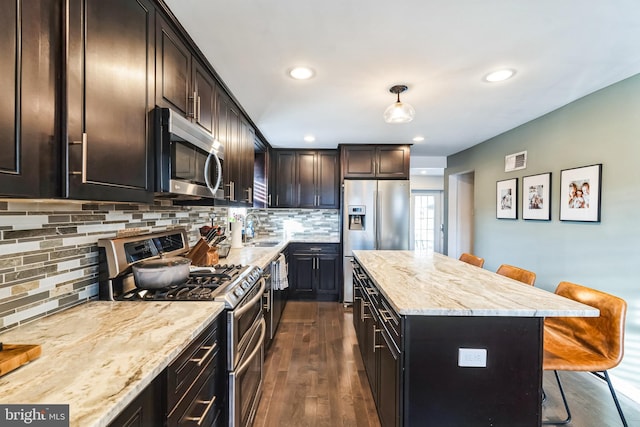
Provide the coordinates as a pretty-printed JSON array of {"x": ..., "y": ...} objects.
[
  {"x": 605, "y": 377},
  {"x": 566, "y": 405}
]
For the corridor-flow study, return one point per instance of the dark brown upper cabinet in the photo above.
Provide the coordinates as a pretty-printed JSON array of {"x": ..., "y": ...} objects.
[
  {"x": 30, "y": 49},
  {"x": 305, "y": 179},
  {"x": 375, "y": 161},
  {"x": 237, "y": 136},
  {"x": 110, "y": 75},
  {"x": 182, "y": 82}
]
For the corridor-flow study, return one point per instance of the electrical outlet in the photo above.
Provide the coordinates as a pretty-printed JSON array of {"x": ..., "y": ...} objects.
[{"x": 472, "y": 357}]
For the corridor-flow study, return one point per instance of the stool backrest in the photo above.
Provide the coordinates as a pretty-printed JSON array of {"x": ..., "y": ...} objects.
[
  {"x": 517, "y": 273},
  {"x": 472, "y": 259},
  {"x": 605, "y": 334}
]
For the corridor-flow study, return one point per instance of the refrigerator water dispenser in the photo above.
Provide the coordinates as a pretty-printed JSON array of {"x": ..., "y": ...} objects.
[{"x": 356, "y": 217}]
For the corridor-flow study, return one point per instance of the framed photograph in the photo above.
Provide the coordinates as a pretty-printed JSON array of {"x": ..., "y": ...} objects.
[
  {"x": 580, "y": 190},
  {"x": 536, "y": 197},
  {"x": 507, "y": 199}
]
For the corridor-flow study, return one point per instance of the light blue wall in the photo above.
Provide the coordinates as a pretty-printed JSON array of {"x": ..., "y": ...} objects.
[{"x": 603, "y": 127}]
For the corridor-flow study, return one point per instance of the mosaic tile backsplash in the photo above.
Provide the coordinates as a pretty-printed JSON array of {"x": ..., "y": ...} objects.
[{"x": 49, "y": 252}]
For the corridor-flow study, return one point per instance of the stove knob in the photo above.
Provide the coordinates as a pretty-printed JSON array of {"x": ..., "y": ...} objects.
[{"x": 238, "y": 292}]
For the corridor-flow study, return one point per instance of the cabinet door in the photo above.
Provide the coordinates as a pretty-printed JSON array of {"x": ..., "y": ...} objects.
[
  {"x": 327, "y": 187},
  {"x": 145, "y": 410},
  {"x": 393, "y": 161},
  {"x": 284, "y": 177},
  {"x": 247, "y": 157},
  {"x": 302, "y": 266},
  {"x": 110, "y": 81},
  {"x": 327, "y": 277},
  {"x": 233, "y": 154},
  {"x": 173, "y": 70},
  {"x": 388, "y": 382},
  {"x": 370, "y": 337},
  {"x": 359, "y": 162},
  {"x": 29, "y": 46},
  {"x": 306, "y": 186},
  {"x": 203, "y": 96}
]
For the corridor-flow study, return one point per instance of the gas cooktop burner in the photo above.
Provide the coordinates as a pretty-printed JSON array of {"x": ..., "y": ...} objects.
[{"x": 228, "y": 283}]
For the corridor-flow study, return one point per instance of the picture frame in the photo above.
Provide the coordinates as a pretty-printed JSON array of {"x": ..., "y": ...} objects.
[
  {"x": 536, "y": 197},
  {"x": 507, "y": 199},
  {"x": 580, "y": 192}
]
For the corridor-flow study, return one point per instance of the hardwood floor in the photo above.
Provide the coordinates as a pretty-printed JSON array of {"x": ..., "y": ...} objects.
[{"x": 314, "y": 376}]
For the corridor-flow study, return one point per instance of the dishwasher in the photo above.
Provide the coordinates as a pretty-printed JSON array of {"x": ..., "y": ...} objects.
[{"x": 274, "y": 297}]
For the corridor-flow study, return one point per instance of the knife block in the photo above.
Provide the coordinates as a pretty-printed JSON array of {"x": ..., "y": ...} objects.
[{"x": 203, "y": 255}]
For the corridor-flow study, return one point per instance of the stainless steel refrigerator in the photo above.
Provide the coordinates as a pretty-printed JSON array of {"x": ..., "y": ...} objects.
[{"x": 375, "y": 215}]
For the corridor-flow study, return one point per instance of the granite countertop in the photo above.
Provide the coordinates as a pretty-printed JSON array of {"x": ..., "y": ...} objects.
[
  {"x": 437, "y": 285},
  {"x": 97, "y": 357}
]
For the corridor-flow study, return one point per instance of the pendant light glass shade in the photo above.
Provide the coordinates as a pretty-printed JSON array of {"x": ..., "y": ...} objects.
[{"x": 399, "y": 112}]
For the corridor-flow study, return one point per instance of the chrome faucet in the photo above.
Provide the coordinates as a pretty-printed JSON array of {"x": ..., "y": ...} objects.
[{"x": 253, "y": 231}]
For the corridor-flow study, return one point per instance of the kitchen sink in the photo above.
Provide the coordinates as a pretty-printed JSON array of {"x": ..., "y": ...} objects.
[{"x": 263, "y": 244}]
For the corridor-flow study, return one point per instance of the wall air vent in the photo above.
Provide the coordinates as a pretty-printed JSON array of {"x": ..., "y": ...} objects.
[{"x": 516, "y": 161}]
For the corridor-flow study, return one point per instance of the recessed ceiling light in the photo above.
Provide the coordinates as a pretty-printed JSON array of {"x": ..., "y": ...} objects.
[
  {"x": 309, "y": 138},
  {"x": 301, "y": 73},
  {"x": 418, "y": 138},
  {"x": 499, "y": 75}
]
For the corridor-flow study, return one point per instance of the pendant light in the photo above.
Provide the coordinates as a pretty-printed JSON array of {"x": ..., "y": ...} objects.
[{"x": 399, "y": 112}]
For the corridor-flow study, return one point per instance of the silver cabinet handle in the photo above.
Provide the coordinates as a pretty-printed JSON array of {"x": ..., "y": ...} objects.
[
  {"x": 375, "y": 331},
  {"x": 194, "y": 106},
  {"x": 202, "y": 417},
  {"x": 232, "y": 191},
  {"x": 249, "y": 191},
  {"x": 209, "y": 349},
  {"x": 362, "y": 307},
  {"x": 199, "y": 115},
  {"x": 83, "y": 171},
  {"x": 269, "y": 200}
]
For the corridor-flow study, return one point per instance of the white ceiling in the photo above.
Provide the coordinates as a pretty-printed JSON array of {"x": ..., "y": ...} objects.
[{"x": 561, "y": 49}]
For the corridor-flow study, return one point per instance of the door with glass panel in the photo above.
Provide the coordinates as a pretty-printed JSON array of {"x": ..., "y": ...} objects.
[{"x": 426, "y": 221}]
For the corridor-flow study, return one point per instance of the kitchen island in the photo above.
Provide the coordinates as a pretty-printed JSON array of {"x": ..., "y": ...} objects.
[
  {"x": 446, "y": 343},
  {"x": 97, "y": 357}
]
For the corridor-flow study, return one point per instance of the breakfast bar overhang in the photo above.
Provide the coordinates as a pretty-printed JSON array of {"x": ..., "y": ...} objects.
[{"x": 471, "y": 340}]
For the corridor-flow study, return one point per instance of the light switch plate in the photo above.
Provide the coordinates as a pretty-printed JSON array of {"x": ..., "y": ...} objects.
[{"x": 472, "y": 357}]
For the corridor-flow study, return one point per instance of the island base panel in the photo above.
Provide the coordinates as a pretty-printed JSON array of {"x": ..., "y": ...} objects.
[{"x": 439, "y": 393}]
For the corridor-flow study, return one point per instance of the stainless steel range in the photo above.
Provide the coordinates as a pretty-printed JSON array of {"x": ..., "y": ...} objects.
[{"x": 239, "y": 287}]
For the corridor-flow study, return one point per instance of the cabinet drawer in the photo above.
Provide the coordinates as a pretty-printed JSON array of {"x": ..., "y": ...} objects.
[
  {"x": 315, "y": 248},
  {"x": 205, "y": 407},
  {"x": 191, "y": 363},
  {"x": 390, "y": 320}
]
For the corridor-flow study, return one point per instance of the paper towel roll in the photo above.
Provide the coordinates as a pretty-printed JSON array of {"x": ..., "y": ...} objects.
[{"x": 236, "y": 235}]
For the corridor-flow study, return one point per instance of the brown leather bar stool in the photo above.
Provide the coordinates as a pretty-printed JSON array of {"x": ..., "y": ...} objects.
[
  {"x": 517, "y": 273},
  {"x": 585, "y": 344},
  {"x": 472, "y": 259}
]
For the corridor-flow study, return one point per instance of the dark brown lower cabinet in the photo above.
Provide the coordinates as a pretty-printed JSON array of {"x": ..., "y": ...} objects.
[
  {"x": 146, "y": 410},
  {"x": 314, "y": 272},
  {"x": 412, "y": 363},
  {"x": 191, "y": 392}
]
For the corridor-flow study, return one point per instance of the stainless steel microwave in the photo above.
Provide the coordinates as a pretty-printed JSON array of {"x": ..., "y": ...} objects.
[{"x": 189, "y": 160}]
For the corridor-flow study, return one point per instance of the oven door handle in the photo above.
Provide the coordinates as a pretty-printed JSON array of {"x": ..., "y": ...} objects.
[
  {"x": 245, "y": 365},
  {"x": 247, "y": 305}
]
